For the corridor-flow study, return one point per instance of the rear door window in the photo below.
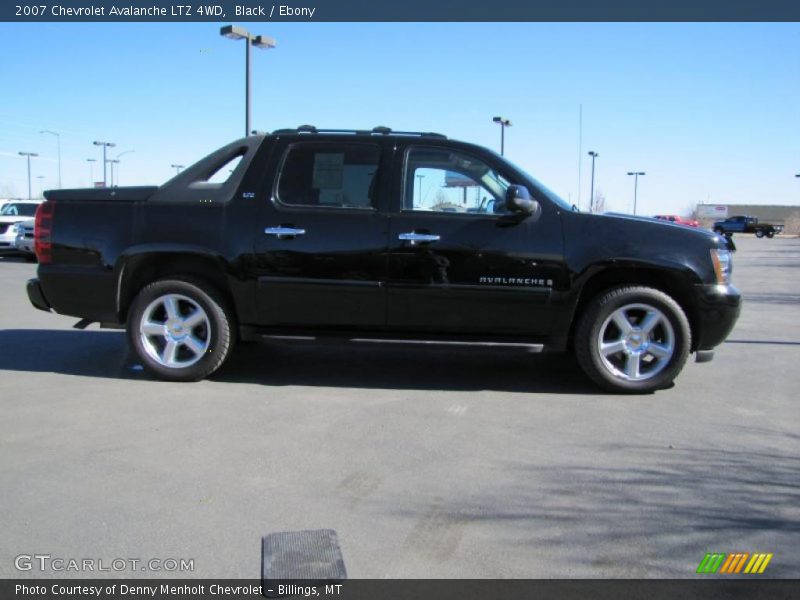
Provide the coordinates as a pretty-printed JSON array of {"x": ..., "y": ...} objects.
[{"x": 329, "y": 175}]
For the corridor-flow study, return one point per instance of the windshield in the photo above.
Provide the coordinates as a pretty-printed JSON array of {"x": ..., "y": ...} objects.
[
  {"x": 540, "y": 187},
  {"x": 18, "y": 209}
]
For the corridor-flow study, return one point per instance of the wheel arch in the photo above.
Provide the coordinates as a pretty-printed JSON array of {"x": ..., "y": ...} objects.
[
  {"x": 675, "y": 283},
  {"x": 139, "y": 268}
]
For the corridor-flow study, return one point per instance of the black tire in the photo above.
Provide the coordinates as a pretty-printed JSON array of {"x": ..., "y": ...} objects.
[
  {"x": 759, "y": 233},
  {"x": 31, "y": 258},
  {"x": 719, "y": 230},
  {"x": 770, "y": 234},
  {"x": 672, "y": 329},
  {"x": 215, "y": 334}
]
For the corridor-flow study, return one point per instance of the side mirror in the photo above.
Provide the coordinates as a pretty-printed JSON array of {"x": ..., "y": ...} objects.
[{"x": 518, "y": 200}]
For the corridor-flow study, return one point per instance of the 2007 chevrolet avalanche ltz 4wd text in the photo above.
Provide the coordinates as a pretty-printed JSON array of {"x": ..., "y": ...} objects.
[{"x": 379, "y": 236}]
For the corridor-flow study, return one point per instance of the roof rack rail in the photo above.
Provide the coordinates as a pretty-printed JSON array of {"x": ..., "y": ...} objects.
[{"x": 380, "y": 130}]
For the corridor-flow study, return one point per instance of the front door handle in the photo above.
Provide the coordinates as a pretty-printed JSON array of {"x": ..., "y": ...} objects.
[
  {"x": 284, "y": 232},
  {"x": 418, "y": 238}
]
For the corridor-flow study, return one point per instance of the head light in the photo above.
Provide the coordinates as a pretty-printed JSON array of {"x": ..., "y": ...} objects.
[{"x": 723, "y": 265}]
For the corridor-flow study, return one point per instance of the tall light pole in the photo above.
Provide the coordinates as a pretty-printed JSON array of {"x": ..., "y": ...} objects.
[
  {"x": 41, "y": 185},
  {"x": 178, "y": 168},
  {"x": 116, "y": 162},
  {"x": 503, "y": 124},
  {"x": 234, "y": 32},
  {"x": 594, "y": 155},
  {"x": 29, "y": 155},
  {"x": 91, "y": 170},
  {"x": 112, "y": 162},
  {"x": 58, "y": 143},
  {"x": 105, "y": 145},
  {"x": 420, "y": 177},
  {"x": 635, "y": 186}
]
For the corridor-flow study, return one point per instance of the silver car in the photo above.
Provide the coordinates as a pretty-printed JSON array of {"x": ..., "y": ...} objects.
[
  {"x": 23, "y": 242},
  {"x": 12, "y": 213}
]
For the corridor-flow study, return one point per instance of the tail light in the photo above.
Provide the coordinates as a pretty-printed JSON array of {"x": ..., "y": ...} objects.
[{"x": 42, "y": 232}]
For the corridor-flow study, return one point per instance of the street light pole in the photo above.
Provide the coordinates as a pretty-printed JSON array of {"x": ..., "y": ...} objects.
[
  {"x": 503, "y": 124},
  {"x": 120, "y": 155},
  {"x": 91, "y": 170},
  {"x": 41, "y": 185},
  {"x": 420, "y": 177},
  {"x": 29, "y": 155},
  {"x": 58, "y": 143},
  {"x": 594, "y": 155},
  {"x": 105, "y": 145},
  {"x": 177, "y": 168},
  {"x": 235, "y": 32},
  {"x": 635, "y": 186},
  {"x": 113, "y": 162}
]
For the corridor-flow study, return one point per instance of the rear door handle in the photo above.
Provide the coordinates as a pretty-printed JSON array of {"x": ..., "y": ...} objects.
[
  {"x": 418, "y": 238},
  {"x": 284, "y": 232}
]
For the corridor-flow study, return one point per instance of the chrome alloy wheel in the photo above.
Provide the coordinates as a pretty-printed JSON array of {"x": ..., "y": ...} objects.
[
  {"x": 175, "y": 331},
  {"x": 636, "y": 342}
]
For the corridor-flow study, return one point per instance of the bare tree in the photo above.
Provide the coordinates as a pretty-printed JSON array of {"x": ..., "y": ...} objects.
[
  {"x": 7, "y": 190},
  {"x": 440, "y": 200},
  {"x": 791, "y": 224},
  {"x": 599, "y": 204}
]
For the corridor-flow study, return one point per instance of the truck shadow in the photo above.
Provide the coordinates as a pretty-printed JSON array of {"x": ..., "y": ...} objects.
[
  {"x": 404, "y": 367},
  {"x": 105, "y": 354}
]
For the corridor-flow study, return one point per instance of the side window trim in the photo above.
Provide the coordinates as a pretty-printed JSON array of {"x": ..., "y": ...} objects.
[{"x": 276, "y": 201}]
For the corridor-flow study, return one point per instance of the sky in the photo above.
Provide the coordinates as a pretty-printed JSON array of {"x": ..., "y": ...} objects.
[{"x": 710, "y": 112}]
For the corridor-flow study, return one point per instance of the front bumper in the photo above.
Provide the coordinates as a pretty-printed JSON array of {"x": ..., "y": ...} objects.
[
  {"x": 36, "y": 296},
  {"x": 7, "y": 242},
  {"x": 24, "y": 244},
  {"x": 718, "y": 308}
]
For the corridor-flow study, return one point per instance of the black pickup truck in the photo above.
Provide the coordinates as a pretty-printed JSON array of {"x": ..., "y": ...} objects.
[{"x": 379, "y": 236}]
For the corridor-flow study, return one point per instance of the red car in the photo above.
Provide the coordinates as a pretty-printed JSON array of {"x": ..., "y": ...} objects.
[{"x": 678, "y": 220}]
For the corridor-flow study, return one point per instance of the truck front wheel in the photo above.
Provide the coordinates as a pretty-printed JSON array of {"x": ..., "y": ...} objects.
[
  {"x": 759, "y": 233},
  {"x": 180, "y": 329},
  {"x": 632, "y": 340}
]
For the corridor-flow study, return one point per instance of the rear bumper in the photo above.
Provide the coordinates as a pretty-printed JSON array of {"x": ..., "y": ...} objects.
[
  {"x": 36, "y": 296},
  {"x": 718, "y": 308}
]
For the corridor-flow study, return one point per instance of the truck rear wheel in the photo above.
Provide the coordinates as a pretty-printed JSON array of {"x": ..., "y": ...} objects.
[
  {"x": 770, "y": 234},
  {"x": 633, "y": 340},
  {"x": 180, "y": 329}
]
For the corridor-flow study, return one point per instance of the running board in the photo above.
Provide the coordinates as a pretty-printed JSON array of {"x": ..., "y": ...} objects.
[
  {"x": 516, "y": 345},
  {"x": 83, "y": 324}
]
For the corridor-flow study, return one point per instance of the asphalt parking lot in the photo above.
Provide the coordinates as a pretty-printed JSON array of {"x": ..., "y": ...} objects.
[{"x": 427, "y": 463}]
